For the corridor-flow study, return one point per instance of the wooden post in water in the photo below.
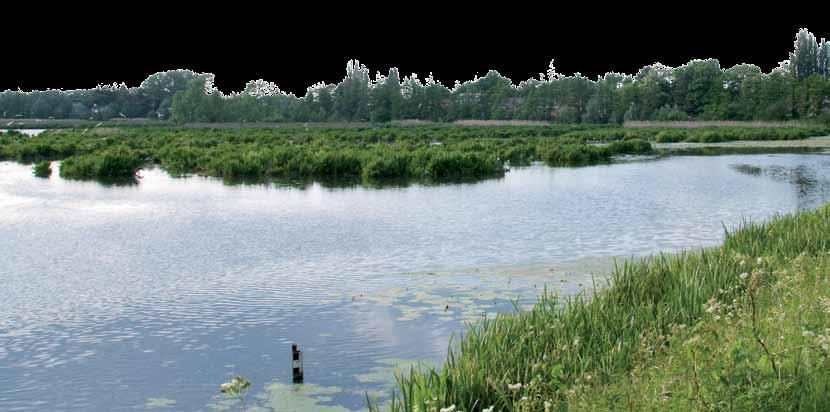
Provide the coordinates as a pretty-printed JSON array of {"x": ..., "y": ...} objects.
[{"x": 296, "y": 363}]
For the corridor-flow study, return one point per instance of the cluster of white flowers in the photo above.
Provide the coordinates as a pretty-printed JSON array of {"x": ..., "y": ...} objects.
[
  {"x": 450, "y": 408},
  {"x": 712, "y": 306},
  {"x": 822, "y": 340},
  {"x": 235, "y": 387},
  {"x": 825, "y": 304},
  {"x": 515, "y": 386}
]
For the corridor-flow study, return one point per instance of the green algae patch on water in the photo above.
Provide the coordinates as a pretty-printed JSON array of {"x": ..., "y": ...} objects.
[
  {"x": 284, "y": 397},
  {"x": 298, "y": 398},
  {"x": 159, "y": 403},
  {"x": 386, "y": 373}
]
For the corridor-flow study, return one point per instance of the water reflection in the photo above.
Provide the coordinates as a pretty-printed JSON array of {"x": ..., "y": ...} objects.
[
  {"x": 150, "y": 295},
  {"x": 810, "y": 183}
]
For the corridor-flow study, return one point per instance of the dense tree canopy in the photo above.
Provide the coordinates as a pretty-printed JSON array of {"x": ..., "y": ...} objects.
[{"x": 699, "y": 89}]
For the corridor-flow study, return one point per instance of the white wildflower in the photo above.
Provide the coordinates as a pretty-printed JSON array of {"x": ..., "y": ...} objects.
[
  {"x": 514, "y": 387},
  {"x": 450, "y": 408},
  {"x": 744, "y": 275}
]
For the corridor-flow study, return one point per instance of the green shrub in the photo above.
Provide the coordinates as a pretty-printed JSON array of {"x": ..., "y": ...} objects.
[
  {"x": 670, "y": 136},
  {"x": 113, "y": 163},
  {"x": 42, "y": 169},
  {"x": 388, "y": 166}
]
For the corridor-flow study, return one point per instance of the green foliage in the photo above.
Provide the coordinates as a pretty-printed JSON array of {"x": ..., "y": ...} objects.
[
  {"x": 118, "y": 162},
  {"x": 376, "y": 153},
  {"x": 804, "y": 60},
  {"x": 670, "y": 136},
  {"x": 744, "y": 326},
  {"x": 700, "y": 89},
  {"x": 434, "y": 153},
  {"x": 42, "y": 169}
]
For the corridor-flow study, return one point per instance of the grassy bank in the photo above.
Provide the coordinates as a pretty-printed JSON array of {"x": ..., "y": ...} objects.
[
  {"x": 691, "y": 124},
  {"x": 701, "y": 134},
  {"x": 744, "y": 326}
]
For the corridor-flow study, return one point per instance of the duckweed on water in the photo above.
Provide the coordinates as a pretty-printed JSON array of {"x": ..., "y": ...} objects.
[{"x": 159, "y": 403}]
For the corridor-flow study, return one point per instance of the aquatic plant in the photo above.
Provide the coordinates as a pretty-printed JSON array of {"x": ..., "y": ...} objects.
[
  {"x": 743, "y": 326},
  {"x": 431, "y": 153},
  {"x": 42, "y": 169},
  {"x": 113, "y": 163},
  {"x": 236, "y": 389}
]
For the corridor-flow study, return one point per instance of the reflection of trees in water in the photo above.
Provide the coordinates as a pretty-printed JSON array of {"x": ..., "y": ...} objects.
[{"x": 809, "y": 186}]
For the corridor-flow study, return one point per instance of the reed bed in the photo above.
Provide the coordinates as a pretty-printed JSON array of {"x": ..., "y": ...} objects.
[
  {"x": 420, "y": 152},
  {"x": 743, "y": 326},
  {"x": 371, "y": 154}
]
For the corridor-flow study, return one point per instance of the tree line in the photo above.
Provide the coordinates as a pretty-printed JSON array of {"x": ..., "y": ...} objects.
[{"x": 799, "y": 88}]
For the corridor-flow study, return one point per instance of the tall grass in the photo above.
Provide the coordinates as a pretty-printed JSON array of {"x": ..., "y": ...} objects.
[
  {"x": 563, "y": 352},
  {"x": 434, "y": 153},
  {"x": 113, "y": 163},
  {"x": 42, "y": 169}
]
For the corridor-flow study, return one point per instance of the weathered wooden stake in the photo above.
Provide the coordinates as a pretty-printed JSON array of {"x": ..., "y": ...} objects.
[{"x": 296, "y": 363}]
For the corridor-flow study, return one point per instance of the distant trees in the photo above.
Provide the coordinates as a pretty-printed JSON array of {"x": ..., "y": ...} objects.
[
  {"x": 385, "y": 98},
  {"x": 700, "y": 89},
  {"x": 804, "y": 59},
  {"x": 351, "y": 96}
]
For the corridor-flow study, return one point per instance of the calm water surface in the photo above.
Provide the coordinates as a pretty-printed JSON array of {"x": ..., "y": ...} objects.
[{"x": 147, "y": 297}]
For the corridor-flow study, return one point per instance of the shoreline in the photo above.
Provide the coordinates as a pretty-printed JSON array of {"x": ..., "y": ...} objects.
[{"x": 811, "y": 142}]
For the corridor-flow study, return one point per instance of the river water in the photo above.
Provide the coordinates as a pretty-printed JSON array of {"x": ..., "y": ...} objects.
[{"x": 148, "y": 296}]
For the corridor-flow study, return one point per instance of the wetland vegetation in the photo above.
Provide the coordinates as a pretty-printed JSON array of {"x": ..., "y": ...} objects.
[
  {"x": 433, "y": 153},
  {"x": 42, "y": 168},
  {"x": 743, "y": 326}
]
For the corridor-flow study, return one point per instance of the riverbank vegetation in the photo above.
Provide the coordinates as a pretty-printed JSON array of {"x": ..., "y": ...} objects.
[
  {"x": 435, "y": 153},
  {"x": 741, "y": 327},
  {"x": 799, "y": 89}
]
